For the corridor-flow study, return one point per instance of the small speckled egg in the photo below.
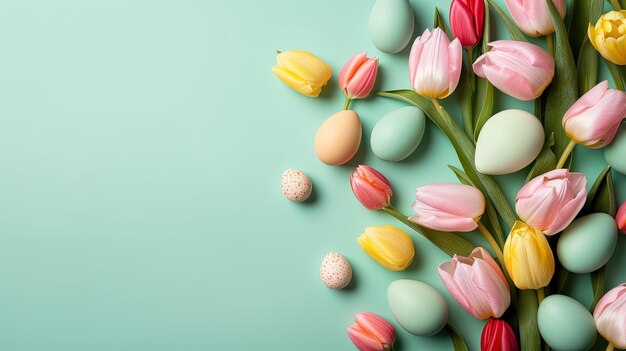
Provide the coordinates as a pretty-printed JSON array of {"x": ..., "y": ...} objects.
[
  {"x": 417, "y": 306},
  {"x": 565, "y": 324},
  {"x": 296, "y": 185},
  {"x": 335, "y": 271}
]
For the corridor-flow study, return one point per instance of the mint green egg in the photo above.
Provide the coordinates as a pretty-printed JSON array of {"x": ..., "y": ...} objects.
[
  {"x": 565, "y": 324},
  {"x": 417, "y": 307},
  {"x": 615, "y": 152},
  {"x": 588, "y": 243},
  {"x": 391, "y": 25},
  {"x": 398, "y": 133}
]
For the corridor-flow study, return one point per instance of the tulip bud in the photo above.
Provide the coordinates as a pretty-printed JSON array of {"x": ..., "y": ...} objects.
[
  {"x": 371, "y": 333},
  {"x": 610, "y": 316},
  {"x": 477, "y": 283},
  {"x": 620, "y": 218},
  {"x": 389, "y": 246},
  {"x": 358, "y": 75},
  {"x": 528, "y": 257},
  {"x": 467, "y": 21},
  {"x": 302, "y": 71},
  {"x": 551, "y": 201},
  {"x": 522, "y": 70},
  {"x": 435, "y": 64},
  {"x": 608, "y": 36},
  {"x": 498, "y": 336},
  {"x": 448, "y": 207},
  {"x": 533, "y": 16},
  {"x": 371, "y": 188},
  {"x": 593, "y": 120}
]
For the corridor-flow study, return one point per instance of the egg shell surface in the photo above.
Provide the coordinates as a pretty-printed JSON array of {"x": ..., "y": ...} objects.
[
  {"x": 565, "y": 324},
  {"x": 397, "y": 134},
  {"x": 335, "y": 271},
  {"x": 391, "y": 25},
  {"x": 296, "y": 185},
  {"x": 338, "y": 138},
  {"x": 417, "y": 307},
  {"x": 615, "y": 152}
]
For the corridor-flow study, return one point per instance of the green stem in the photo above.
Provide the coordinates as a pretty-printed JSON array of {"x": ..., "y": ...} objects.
[
  {"x": 550, "y": 44},
  {"x": 566, "y": 153},
  {"x": 346, "y": 105},
  {"x": 541, "y": 294},
  {"x": 457, "y": 341},
  {"x": 470, "y": 61},
  {"x": 616, "y": 5},
  {"x": 611, "y": 347},
  {"x": 485, "y": 232}
]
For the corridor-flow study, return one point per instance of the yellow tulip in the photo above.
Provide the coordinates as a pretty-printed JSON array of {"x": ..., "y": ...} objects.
[
  {"x": 302, "y": 71},
  {"x": 608, "y": 36},
  {"x": 528, "y": 257},
  {"x": 389, "y": 246}
]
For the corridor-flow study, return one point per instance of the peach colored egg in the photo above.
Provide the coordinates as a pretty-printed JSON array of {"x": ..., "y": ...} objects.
[
  {"x": 338, "y": 138},
  {"x": 296, "y": 185},
  {"x": 335, "y": 271}
]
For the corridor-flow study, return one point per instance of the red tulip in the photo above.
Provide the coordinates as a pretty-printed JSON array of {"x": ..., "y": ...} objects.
[
  {"x": 467, "y": 20},
  {"x": 371, "y": 188},
  {"x": 498, "y": 336},
  {"x": 620, "y": 218}
]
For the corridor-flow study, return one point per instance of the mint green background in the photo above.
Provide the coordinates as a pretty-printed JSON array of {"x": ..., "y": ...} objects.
[{"x": 141, "y": 149}]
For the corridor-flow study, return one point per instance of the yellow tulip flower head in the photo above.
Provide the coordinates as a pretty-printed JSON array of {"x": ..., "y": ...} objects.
[
  {"x": 389, "y": 246},
  {"x": 528, "y": 257},
  {"x": 608, "y": 36},
  {"x": 302, "y": 71}
]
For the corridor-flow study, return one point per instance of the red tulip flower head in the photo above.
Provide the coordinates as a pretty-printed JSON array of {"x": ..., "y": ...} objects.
[
  {"x": 467, "y": 21},
  {"x": 620, "y": 218},
  {"x": 358, "y": 75},
  {"x": 498, "y": 336},
  {"x": 371, "y": 188}
]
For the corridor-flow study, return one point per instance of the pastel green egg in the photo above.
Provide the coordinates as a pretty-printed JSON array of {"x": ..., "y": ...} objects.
[
  {"x": 615, "y": 152},
  {"x": 417, "y": 307},
  {"x": 391, "y": 25},
  {"x": 588, "y": 243},
  {"x": 398, "y": 133},
  {"x": 565, "y": 324}
]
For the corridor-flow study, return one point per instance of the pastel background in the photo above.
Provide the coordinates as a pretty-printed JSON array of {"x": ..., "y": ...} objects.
[{"x": 141, "y": 148}]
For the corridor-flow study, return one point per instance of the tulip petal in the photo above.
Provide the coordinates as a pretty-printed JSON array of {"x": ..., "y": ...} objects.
[
  {"x": 416, "y": 55},
  {"x": 445, "y": 223},
  {"x": 455, "y": 57},
  {"x": 363, "y": 340},
  {"x": 350, "y": 68},
  {"x": 376, "y": 326},
  {"x": 450, "y": 198},
  {"x": 363, "y": 80},
  {"x": 294, "y": 82},
  {"x": 462, "y": 23},
  {"x": 610, "y": 316},
  {"x": 509, "y": 82},
  {"x": 586, "y": 101},
  {"x": 446, "y": 273},
  {"x": 308, "y": 67},
  {"x": 620, "y": 218}
]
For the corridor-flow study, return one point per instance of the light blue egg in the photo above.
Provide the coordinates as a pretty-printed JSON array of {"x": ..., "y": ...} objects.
[
  {"x": 615, "y": 152},
  {"x": 565, "y": 324},
  {"x": 398, "y": 133},
  {"x": 391, "y": 25},
  {"x": 588, "y": 243},
  {"x": 417, "y": 306}
]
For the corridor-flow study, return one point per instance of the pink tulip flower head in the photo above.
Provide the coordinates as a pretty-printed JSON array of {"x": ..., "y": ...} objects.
[
  {"x": 533, "y": 16},
  {"x": 467, "y": 21},
  {"x": 435, "y": 64},
  {"x": 551, "y": 201},
  {"x": 498, "y": 336},
  {"x": 358, "y": 75},
  {"x": 477, "y": 283},
  {"x": 610, "y": 316},
  {"x": 521, "y": 70},
  {"x": 594, "y": 119},
  {"x": 448, "y": 207},
  {"x": 371, "y": 333},
  {"x": 371, "y": 188},
  {"x": 620, "y": 218}
]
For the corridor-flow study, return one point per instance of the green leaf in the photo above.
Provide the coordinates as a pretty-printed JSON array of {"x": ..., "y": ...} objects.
[
  {"x": 527, "y": 319},
  {"x": 457, "y": 340},
  {"x": 564, "y": 89},
  {"x": 587, "y": 67},
  {"x": 546, "y": 161},
  {"x": 582, "y": 12},
  {"x": 439, "y": 22},
  {"x": 601, "y": 196},
  {"x": 483, "y": 108},
  {"x": 465, "y": 99},
  {"x": 514, "y": 32},
  {"x": 619, "y": 75},
  {"x": 597, "y": 284}
]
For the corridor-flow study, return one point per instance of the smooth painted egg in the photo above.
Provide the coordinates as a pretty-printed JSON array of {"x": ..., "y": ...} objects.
[
  {"x": 615, "y": 152},
  {"x": 338, "y": 138},
  {"x": 391, "y": 25},
  {"x": 335, "y": 271},
  {"x": 296, "y": 185},
  {"x": 417, "y": 307},
  {"x": 397, "y": 134},
  {"x": 508, "y": 142},
  {"x": 587, "y": 243},
  {"x": 565, "y": 324}
]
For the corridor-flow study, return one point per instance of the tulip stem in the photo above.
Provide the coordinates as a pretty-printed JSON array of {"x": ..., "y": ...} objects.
[
  {"x": 494, "y": 245},
  {"x": 617, "y": 7},
  {"x": 611, "y": 347},
  {"x": 566, "y": 153},
  {"x": 470, "y": 61},
  {"x": 550, "y": 44},
  {"x": 346, "y": 105},
  {"x": 541, "y": 294}
]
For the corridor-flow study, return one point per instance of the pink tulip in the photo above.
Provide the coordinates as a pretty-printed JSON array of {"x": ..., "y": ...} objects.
[
  {"x": 593, "y": 120},
  {"x": 477, "y": 283},
  {"x": 371, "y": 333},
  {"x": 498, "y": 336},
  {"x": 551, "y": 201},
  {"x": 620, "y": 218},
  {"x": 358, "y": 75},
  {"x": 522, "y": 70},
  {"x": 371, "y": 188},
  {"x": 533, "y": 16},
  {"x": 467, "y": 20},
  {"x": 435, "y": 64},
  {"x": 448, "y": 207},
  {"x": 610, "y": 316}
]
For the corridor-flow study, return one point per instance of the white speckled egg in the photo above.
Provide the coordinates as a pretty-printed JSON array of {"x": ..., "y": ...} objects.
[
  {"x": 296, "y": 185},
  {"x": 508, "y": 142},
  {"x": 335, "y": 271}
]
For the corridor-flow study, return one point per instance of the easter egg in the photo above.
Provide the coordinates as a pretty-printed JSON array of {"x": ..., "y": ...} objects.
[
  {"x": 417, "y": 306},
  {"x": 615, "y": 151},
  {"x": 587, "y": 243},
  {"x": 508, "y": 142},
  {"x": 397, "y": 134},
  {"x": 391, "y": 25},
  {"x": 335, "y": 271},
  {"x": 296, "y": 185},
  {"x": 565, "y": 324},
  {"x": 338, "y": 138}
]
